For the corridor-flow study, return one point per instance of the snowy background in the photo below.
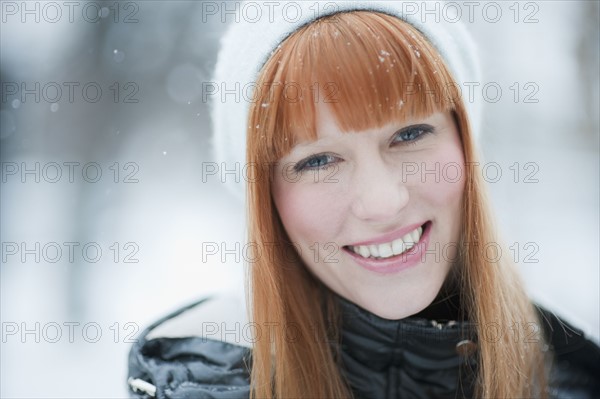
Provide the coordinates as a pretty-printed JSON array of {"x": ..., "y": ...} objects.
[{"x": 149, "y": 132}]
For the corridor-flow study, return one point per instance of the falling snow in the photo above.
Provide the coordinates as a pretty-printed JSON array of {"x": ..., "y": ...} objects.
[
  {"x": 382, "y": 55},
  {"x": 118, "y": 55}
]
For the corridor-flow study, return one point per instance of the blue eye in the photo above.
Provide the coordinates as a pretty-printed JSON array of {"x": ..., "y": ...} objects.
[
  {"x": 314, "y": 162},
  {"x": 413, "y": 133}
]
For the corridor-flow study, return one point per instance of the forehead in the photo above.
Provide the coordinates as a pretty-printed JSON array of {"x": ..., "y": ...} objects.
[
  {"x": 328, "y": 129},
  {"x": 325, "y": 122}
]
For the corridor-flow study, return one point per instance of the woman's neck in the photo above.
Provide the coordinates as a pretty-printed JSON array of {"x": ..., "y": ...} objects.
[{"x": 446, "y": 306}]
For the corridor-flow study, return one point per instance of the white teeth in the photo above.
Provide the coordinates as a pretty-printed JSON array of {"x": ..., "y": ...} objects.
[
  {"x": 373, "y": 250},
  {"x": 397, "y": 247},
  {"x": 415, "y": 235},
  {"x": 364, "y": 251},
  {"x": 385, "y": 250},
  {"x": 408, "y": 238},
  {"x": 389, "y": 249}
]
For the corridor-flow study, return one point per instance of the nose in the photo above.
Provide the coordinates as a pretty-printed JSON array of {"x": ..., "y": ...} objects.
[{"x": 380, "y": 196}]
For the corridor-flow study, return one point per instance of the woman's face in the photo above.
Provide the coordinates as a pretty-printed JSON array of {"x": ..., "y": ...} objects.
[{"x": 377, "y": 192}]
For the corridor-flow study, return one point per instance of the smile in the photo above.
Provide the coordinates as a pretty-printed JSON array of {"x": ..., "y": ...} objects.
[
  {"x": 389, "y": 257},
  {"x": 384, "y": 250},
  {"x": 389, "y": 249}
]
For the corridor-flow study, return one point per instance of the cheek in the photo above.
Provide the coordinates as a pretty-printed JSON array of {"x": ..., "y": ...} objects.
[
  {"x": 449, "y": 188},
  {"x": 444, "y": 175},
  {"x": 307, "y": 214}
]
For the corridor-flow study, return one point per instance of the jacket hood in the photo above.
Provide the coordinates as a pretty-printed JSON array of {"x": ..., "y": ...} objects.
[{"x": 204, "y": 350}]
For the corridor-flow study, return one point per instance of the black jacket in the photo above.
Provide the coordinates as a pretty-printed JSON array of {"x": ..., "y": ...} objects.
[{"x": 415, "y": 357}]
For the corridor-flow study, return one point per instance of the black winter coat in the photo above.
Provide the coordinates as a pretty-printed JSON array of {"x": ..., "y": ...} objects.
[{"x": 416, "y": 357}]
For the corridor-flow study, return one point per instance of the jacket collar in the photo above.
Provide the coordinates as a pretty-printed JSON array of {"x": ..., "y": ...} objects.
[
  {"x": 416, "y": 357},
  {"x": 382, "y": 343}
]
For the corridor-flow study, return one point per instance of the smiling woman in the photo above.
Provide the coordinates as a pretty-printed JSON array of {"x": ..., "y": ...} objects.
[{"x": 387, "y": 278}]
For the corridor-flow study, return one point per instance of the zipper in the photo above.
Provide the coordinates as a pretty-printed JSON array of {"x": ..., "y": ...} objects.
[{"x": 441, "y": 326}]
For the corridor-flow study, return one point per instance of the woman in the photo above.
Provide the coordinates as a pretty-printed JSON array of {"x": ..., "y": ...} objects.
[{"x": 371, "y": 236}]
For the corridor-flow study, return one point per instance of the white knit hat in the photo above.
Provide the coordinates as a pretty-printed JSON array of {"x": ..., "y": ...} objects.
[{"x": 262, "y": 25}]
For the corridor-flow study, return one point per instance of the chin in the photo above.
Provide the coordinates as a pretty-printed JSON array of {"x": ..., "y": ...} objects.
[{"x": 396, "y": 307}]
